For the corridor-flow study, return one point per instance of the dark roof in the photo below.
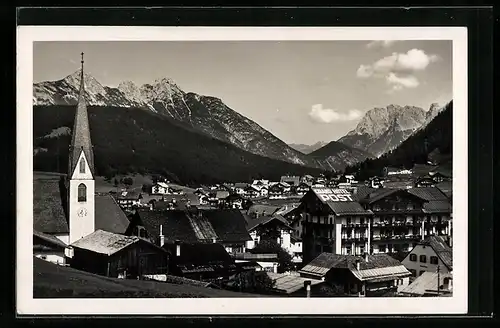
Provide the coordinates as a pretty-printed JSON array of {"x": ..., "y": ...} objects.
[
  {"x": 437, "y": 206},
  {"x": 428, "y": 193},
  {"x": 362, "y": 192},
  {"x": 49, "y": 206},
  {"x": 347, "y": 208},
  {"x": 50, "y": 239},
  {"x": 379, "y": 194},
  {"x": 228, "y": 225},
  {"x": 240, "y": 185},
  {"x": 420, "y": 170},
  {"x": 295, "y": 180},
  {"x": 109, "y": 216},
  {"x": 128, "y": 195},
  {"x": 440, "y": 245},
  {"x": 261, "y": 208},
  {"x": 263, "y": 220},
  {"x": 199, "y": 254},
  {"x": 177, "y": 222},
  {"x": 446, "y": 188},
  {"x": 104, "y": 242}
]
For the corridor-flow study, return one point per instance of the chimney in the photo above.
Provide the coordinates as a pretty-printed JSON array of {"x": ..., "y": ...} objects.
[
  {"x": 177, "y": 248},
  {"x": 162, "y": 237},
  {"x": 307, "y": 285},
  {"x": 357, "y": 264}
]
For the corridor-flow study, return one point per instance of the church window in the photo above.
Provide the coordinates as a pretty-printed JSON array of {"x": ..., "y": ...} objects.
[
  {"x": 82, "y": 192},
  {"x": 82, "y": 165}
]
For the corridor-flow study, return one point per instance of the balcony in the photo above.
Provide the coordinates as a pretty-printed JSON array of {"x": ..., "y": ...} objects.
[{"x": 398, "y": 223}]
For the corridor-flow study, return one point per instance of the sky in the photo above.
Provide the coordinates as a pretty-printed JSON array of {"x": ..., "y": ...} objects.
[{"x": 301, "y": 91}]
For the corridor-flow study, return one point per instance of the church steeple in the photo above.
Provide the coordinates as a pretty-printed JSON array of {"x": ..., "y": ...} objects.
[{"x": 81, "y": 131}]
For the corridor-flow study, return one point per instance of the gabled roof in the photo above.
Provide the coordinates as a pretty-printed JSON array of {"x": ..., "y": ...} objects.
[
  {"x": 228, "y": 225},
  {"x": 109, "y": 216},
  {"x": 263, "y": 220},
  {"x": 221, "y": 194},
  {"x": 378, "y": 266},
  {"x": 427, "y": 281},
  {"x": 240, "y": 185},
  {"x": 362, "y": 192},
  {"x": 104, "y": 242},
  {"x": 288, "y": 284},
  {"x": 382, "y": 193},
  {"x": 52, "y": 240},
  {"x": 49, "y": 204},
  {"x": 441, "y": 248},
  {"x": 428, "y": 193},
  {"x": 162, "y": 184},
  {"x": 128, "y": 195},
  {"x": 446, "y": 188},
  {"x": 347, "y": 208}
]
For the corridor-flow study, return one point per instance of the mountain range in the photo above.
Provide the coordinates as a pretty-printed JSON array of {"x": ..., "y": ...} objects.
[
  {"x": 382, "y": 129},
  {"x": 203, "y": 113}
]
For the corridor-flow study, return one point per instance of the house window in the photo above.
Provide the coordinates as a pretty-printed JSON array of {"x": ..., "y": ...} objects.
[
  {"x": 421, "y": 272},
  {"x": 82, "y": 165},
  {"x": 434, "y": 260},
  {"x": 423, "y": 259},
  {"x": 409, "y": 206},
  {"x": 82, "y": 192},
  {"x": 413, "y": 257},
  {"x": 413, "y": 272}
]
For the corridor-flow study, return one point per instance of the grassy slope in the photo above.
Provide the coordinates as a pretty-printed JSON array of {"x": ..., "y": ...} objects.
[{"x": 51, "y": 280}]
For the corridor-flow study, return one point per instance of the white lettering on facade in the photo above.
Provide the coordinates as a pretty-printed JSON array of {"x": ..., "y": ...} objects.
[{"x": 336, "y": 198}]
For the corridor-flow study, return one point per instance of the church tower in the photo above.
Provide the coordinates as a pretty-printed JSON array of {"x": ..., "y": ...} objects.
[{"x": 81, "y": 186}]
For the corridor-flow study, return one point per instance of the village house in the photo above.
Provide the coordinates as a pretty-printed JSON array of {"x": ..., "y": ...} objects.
[
  {"x": 430, "y": 255},
  {"x": 290, "y": 180},
  {"x": 257, "y": 210},
  {"x": 260, "y": 183},
  {"x": 368, "y": 275},
  {"x": 234, "y": 201},
  {"x": 273, "y": 228},
  {"x": 49, "y": 248},
  {"x": 294, "y": 285},
  {"x": 240, "y": 188},
  {"x": 200, "y": 261},
  {"x": 302, "y": 188},
  {"x": 256, "y": 261},
  {"x": 276, "y": 191},
  {"x": 307, "y": 179},
  {"x": 333, "y": 222},
  {"x": 118, "y": 256},
  {"x": 128, "y": 199},
  {"x": 161, "y": 188},
  {"x": 227, "y": 227},
  {"x": 251, "y": 191},
  {"x": 429, "y": 284}
]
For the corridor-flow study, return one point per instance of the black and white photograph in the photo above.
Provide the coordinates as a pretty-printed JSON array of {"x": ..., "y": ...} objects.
[{"x": 243, "y": 170}]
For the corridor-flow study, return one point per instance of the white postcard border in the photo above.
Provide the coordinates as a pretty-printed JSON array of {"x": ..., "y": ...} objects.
[{"x": 26, "y": 304}]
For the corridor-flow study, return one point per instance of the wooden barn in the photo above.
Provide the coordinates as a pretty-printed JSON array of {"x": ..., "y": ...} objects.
[{"x": 114, "y": 255}]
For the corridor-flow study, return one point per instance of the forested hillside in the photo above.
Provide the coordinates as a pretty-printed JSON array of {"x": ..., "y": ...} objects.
[{"x": 128, "y": 140}]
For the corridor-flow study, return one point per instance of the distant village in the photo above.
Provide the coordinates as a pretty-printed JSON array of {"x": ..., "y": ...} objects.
[{"x": 301, "y": 236}]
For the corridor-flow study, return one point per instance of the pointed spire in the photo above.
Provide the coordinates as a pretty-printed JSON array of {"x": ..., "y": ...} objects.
[{"x": 81, "y": 131}]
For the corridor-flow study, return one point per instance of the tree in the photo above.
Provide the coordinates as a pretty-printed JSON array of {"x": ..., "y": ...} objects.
[
  {"x": 128, "y": 181},
  {"x": 252, "y": 282},
  {"x": 115, "y": 182},
  {"x": 271, "y": 247}
]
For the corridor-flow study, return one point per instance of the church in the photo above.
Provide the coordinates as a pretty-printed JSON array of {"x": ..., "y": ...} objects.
[{"x": 66, "y": 208}]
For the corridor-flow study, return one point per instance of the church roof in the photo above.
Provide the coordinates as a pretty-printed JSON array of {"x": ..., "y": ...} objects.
[
  {"x": 81, "y": 132},
  {"x": 50, "y": 214}
]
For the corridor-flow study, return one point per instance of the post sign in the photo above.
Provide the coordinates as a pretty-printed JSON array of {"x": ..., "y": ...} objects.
[{"x": 333, "y": 195}]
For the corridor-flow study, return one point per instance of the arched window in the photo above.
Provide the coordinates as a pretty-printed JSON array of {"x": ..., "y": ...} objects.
[
  {"x": 82, "y": 165},
  {"x": 82, "y": 192}
]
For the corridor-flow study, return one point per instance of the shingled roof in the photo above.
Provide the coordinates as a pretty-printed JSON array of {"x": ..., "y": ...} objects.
[
  {"x": 199, "y": 254},
  {"x": 42, "y": 241},
  {"x": 438, "y": 206},
  {"x": 443, "y": 250},
  {"x": 375, "y": 268},
  {"x": 428, "y": 193},
  {"x": 49, "y": 208},
  {"x": 347, "y": 208},
  {"x": 49, "y": 205},
  {"x": 104, "y": 242},
  {"x": 263, "y": 220},
  {"x": 228, "y": 225},
  {"x": 81, "y": 132}
]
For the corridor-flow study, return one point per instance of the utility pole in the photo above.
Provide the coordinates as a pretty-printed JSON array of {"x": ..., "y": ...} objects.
[{"x": 438, "y": 280}]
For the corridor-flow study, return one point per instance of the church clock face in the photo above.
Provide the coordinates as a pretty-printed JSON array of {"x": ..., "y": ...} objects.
[{"x": 82, "y": 212}]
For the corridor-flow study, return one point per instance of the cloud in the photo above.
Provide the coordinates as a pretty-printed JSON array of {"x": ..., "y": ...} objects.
[
  {"x": 327, "y": 115},
  {"x": 409, "y": 81},
  {"x": 392, "y": 67},
  {"x": 380, "y": 44}
]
